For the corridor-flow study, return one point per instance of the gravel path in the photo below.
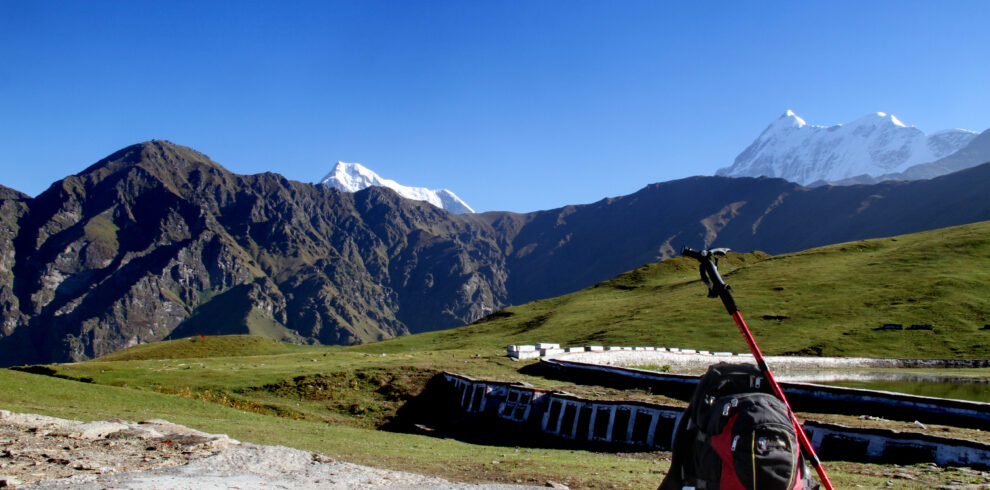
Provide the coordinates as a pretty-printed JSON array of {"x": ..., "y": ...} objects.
[
  {"x": 42, "y": 452},
  {"x": 692, "y": 361}
]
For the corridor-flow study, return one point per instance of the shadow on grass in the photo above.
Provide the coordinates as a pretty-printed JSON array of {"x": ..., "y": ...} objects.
[{"x": 47, "y": 371}]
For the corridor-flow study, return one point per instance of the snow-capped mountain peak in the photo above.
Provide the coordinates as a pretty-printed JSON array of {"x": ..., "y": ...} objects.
[
  {"x": 877, "y": 119},
  {"x": 875, "y": 144},
  {"x": 893, "y": 120},
  {"x": 787, "y": 122},
  {"x": 789, "y": 119},
  {"x": 353, "y": 177}
]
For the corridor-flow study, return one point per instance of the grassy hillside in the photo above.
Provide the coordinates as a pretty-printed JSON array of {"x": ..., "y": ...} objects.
[
  {"x": 824, "y": 301},
  {"x": 198, "y": 347},
  {"x": 828, "y": 300},
  {"x": 332, "y": 399},
  {"x": 452, "y": 459}
]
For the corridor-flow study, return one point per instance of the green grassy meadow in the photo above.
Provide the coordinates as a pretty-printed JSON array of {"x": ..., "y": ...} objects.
[
  {"x": 334, "y": 400},
  {"x": 204, "y": 393},
  {"x": 208, "y": 394},
  {"x": 826, "y": 301}
]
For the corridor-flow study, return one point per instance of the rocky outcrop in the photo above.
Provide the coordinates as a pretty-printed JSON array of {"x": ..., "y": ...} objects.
[
  {"x": 39, "y": 447},
  {"x": 43, "y": 452},
  {"x": 157, "y": 240},
  {"x": 13, "y": 205}
]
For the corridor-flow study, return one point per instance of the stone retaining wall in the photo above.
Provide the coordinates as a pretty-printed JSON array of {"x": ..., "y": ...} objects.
[
  {"x": 568, "y": 416},
  {"x": 649, "y": 425},
  {"x": 801, "y": 396}
]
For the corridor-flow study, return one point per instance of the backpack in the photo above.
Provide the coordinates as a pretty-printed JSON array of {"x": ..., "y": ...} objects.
[{"x": 736, "y": 434}]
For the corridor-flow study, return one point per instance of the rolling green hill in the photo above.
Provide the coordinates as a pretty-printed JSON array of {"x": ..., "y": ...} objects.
[
  {"x": 825, "y": 301},
  {"x": 196, "y": 347}
]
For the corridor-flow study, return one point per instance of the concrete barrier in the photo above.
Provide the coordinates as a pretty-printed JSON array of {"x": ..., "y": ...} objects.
[
  {"x": 634, "y": 423},
  {"x": 885, "y": 446},
  {"x": 523, "y": 351},
  {"x": 802, "y": 396},
  {"x": 627, "y": 423}
]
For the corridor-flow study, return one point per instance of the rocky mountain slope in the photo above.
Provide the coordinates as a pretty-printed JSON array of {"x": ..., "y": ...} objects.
[
  {"x": 157, "y": 234},
  {"x": 873, "y": 145},
  {"x": 158, "y": 241},
  {"x": 563, "y": 250},
  {"x": 353, "y": 177}
]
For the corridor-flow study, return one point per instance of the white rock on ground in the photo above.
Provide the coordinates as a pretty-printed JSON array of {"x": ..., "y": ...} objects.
[
  {"x": 253, "y": 466},
  {"x": 42, "y": 452}
]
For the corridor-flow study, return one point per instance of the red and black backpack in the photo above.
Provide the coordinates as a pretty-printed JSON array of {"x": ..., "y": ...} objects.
[{"x": 736, "y": 435}]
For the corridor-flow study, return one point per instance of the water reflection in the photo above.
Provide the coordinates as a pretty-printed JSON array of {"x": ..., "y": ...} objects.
[{"x": 941, "y": 386}]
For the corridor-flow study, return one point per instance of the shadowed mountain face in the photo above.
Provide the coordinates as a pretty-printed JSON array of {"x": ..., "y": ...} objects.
[
  {"x": 157, "y": 234},
  {"x": 156, "y": 240},
  {"x": 567, "y": 249}
]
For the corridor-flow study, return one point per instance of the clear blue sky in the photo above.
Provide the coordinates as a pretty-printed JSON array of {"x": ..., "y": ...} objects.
[{"x": 513, "y": 105}]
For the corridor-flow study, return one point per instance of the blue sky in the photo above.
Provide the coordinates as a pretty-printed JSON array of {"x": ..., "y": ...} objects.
[{"x": 513, "y": 105}]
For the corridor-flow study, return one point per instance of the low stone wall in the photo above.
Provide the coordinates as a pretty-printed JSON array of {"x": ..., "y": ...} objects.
[
  {"x": 632, "y": 423},
  {"x": 891, "y": 447},
  {"x": 649, "y": 425},
  {"x": 568, "y": 416},
  {"x": 802, "y": 396},
  {"x": 690, "y": 359}
]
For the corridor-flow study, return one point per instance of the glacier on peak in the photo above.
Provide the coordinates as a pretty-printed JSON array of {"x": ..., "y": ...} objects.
[
  {"x": 353, "y": 177},
  {"x": 875, "y": 144}
]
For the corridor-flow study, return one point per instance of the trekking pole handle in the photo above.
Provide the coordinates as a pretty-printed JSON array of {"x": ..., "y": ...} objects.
[
  {"x": 694, "y": 254},
  {"x": 708, "y": 268},
  {"x": 717, "y": 288}
]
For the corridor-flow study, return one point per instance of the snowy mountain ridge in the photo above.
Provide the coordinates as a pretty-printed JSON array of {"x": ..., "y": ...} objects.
[
  {"x": 875, "y": 144},
  {"x": 352, "y": 177}
]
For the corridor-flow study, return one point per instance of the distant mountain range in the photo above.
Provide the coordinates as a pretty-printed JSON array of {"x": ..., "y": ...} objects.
[
  {"x": 158, "y": 241},
  {"x": 353, "y": 177},
  {"x": 873, "y": 148}
]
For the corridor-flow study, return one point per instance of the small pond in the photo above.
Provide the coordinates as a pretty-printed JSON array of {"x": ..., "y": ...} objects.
[{"x": 958, "y": 387}]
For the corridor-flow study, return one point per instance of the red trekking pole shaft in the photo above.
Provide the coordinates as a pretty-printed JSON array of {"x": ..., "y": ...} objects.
[
  {"x": 717, "y": 288},
  {"x": 802, "y": 437}
]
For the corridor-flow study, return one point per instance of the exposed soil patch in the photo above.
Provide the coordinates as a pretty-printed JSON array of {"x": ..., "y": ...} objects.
[
  {"x": 494, "y": 316},
  {"x": 810, "y": 351},
  {"x": 533, "y": 324},
  {"x": 373, "y": 394}
]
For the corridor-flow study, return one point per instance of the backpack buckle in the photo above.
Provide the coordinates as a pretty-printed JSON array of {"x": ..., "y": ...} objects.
[{"x": 728, "y": 406}]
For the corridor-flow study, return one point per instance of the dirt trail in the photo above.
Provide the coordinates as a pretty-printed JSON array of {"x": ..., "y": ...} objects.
[
  {"x": 46, "y": 452},
  {"x": 690, "y": 361}
]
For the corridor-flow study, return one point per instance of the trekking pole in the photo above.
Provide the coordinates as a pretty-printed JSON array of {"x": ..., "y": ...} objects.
[{"x": 717, "y": 288}]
